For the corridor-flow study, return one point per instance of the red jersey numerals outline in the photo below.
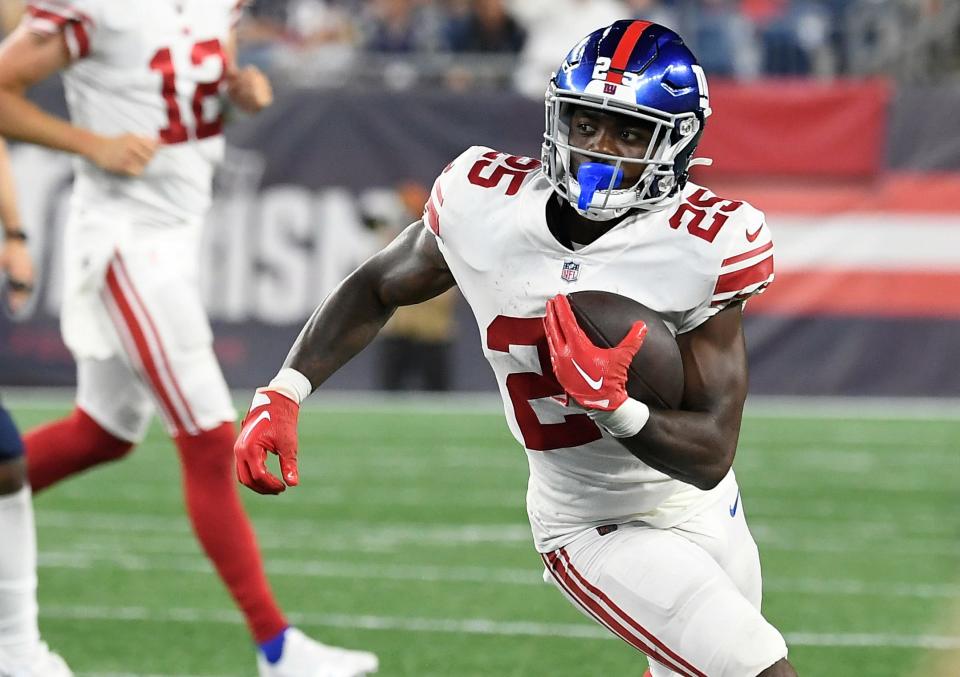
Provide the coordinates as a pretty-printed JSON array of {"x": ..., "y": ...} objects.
[
  {"x": 576, "y": 429},
  {"x": 696, "y": 206},
  {"x": 513, "y": 166},
  {"x": 162, "y": 62}
]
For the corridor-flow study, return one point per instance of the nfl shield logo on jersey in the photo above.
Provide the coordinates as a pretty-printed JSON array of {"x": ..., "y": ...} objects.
[{"x": 571, "y": 271}]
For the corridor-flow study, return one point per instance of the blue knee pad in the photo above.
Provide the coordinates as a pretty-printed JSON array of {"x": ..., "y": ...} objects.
[{"x": 11, "y": 446}]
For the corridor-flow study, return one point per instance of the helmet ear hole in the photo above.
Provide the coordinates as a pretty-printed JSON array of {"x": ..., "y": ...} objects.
[{"x": 681, "y": 166}]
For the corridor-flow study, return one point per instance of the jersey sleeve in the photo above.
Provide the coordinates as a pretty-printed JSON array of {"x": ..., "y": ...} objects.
[
  {"x": 745, "y": 270},
  {"x": 440, "y": 212},
  {"x": 75, "y": 19}
]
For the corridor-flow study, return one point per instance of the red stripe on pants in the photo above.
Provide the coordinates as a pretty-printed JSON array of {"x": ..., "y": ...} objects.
[
  {"x": 610, "y": 615},
  {"x": 163, "y": 356},
  {"x": 634, "y": 624},
  {"x": 138, "y": 334}
]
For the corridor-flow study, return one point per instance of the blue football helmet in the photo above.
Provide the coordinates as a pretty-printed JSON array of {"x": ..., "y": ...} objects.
[{"x": 641, "y": 70}]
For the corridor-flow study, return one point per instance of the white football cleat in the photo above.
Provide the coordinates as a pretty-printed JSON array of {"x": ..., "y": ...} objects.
[
  {"x": 305, "y": 657},
  {"x": 44, "y": 663}
]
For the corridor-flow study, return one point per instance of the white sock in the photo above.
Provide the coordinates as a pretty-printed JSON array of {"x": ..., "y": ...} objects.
[{"x": 19, "y": 632}]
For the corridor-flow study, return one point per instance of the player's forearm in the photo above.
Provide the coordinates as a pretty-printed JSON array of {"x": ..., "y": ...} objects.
[
  {"x": 22, "y": 120},
  {"x": 9, "y": 215},
  {"x": 693, "y": 447},
  {"x": 345, "y": 323}
]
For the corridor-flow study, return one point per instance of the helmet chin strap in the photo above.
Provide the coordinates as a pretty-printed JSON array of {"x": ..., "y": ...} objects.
[{"x": 595, "y": 175}]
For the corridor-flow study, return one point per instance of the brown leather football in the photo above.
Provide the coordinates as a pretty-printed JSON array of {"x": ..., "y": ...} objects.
[{"x": 656, "y": 373}]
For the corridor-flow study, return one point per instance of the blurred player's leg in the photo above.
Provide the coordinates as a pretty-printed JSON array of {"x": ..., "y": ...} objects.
[
  {"x": 303, "y": 657},
  {"x": 222, "y": 527},
  {"x": 721, "y": 530},
  {"x": 114, "y": 407},
  {"x": 162, "y": 326},
  {"x": 21, "y": 651},
  {"x": 636, "y": 580},
  {"x": 112, "y": 414}
]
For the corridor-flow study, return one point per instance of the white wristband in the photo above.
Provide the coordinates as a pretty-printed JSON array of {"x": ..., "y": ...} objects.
[
  {"x": 625, "y": 421},
  {"x": 291, "y": 383}
]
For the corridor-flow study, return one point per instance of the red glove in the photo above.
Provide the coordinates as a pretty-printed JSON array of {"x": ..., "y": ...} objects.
[
  {"x": 596, "y": 378},
  {"x": 270, "y": 425}
]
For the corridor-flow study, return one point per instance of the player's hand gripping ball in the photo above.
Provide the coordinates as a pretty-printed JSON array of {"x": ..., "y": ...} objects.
[
  {"x": 269, "y": 427},
  {"x": 595, "y": 377}
]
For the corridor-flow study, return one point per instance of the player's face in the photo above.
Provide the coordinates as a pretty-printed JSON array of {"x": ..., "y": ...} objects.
[{"x": 612, "y": 134}]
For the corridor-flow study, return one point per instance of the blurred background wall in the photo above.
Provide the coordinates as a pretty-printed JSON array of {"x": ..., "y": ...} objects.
[{"x": 838, "y": 118}]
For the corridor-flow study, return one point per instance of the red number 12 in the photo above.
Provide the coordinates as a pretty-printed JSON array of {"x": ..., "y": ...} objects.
[{"x": 162, "y": 62}]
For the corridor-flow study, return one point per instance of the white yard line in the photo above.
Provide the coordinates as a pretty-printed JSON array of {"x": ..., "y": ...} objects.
[
  {"x": 471, "y": 626},
  {"x": 485, "y": 403},
  {"x": 854, "y": 408},
  {"x": 110, "y": 558},
  {"x": 316, "y": 529},
  {"x": 773, "y": 533},
  {"x": 101, "y": 673}
]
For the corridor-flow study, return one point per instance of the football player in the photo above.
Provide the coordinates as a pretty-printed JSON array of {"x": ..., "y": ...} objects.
[
  {"x": 146, "y": 85},
  {"x": 21, "y": 650},
  {"x": 635, "y": 511}
]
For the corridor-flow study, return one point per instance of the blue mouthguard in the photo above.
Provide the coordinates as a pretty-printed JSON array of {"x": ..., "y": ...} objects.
[{"x": 594, "y": 175}]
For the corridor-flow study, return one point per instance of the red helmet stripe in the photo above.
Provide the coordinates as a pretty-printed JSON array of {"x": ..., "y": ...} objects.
[{"x": 621, "y": 57}]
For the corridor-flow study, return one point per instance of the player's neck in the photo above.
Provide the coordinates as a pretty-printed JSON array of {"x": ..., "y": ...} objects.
[{"x": 569, "y": 227}]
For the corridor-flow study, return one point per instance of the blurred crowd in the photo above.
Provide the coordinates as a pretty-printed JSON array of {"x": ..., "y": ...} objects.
[
  {"x": 403, "y": 41},
  {"x": 460, "y": 43}
]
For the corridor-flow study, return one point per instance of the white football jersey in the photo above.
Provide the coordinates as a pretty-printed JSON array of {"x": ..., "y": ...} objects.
[
  {"x": 153, "y": 68},
  {"x": 686, "y": 262}
]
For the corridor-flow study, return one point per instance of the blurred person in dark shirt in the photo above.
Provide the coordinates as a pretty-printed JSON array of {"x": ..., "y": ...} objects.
[
  {"x": 487, "y": 27},
  {"x": 796, "y": 37},
  {"x": 399, "y": 27},
  {"x": 718, "y": 28}
]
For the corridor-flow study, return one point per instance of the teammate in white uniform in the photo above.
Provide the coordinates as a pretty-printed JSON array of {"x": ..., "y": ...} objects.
[
  {"x": 21, "y": 650},
  {"x": 635, "y": 511},
  {"x": 146, "y": 84}
]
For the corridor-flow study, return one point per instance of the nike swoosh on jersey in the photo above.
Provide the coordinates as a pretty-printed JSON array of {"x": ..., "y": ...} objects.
[
  {"x": 596, "y": 385},
  {"x": 733, "y": 508},
  {"x": 755, "y": 234},
  {"x": 264, "y": 415}
]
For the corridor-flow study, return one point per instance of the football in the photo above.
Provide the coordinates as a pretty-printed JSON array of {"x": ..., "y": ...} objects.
[{"x": 656, "y": 373}]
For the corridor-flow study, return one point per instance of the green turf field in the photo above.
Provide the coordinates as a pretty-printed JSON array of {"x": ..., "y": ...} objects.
[{"x": 408, "y": 537}]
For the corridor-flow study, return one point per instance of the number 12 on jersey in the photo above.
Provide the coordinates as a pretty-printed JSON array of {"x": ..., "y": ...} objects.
[{"x": 176, "y": 131}]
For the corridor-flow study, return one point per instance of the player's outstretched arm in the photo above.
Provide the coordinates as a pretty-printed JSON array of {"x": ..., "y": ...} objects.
[
  {"x": 409, "y": 270},
  {"x": 26, "y": 58}
]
